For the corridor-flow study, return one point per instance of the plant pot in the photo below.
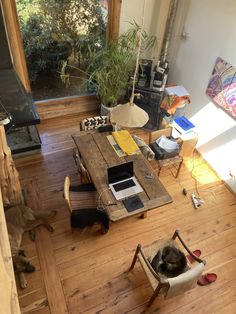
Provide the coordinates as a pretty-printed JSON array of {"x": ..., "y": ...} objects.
[{"x": 105, "y": 111}]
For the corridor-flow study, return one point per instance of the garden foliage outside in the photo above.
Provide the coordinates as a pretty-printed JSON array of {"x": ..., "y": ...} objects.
[{"x": 55, "y": 31}]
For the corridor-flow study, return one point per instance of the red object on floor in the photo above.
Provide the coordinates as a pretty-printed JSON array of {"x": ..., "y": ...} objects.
[
  {"x": 207, "y": 279},
  {"x": 197, "y": 253}
]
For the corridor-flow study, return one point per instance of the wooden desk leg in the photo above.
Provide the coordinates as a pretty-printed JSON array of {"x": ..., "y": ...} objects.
[{"x": 144, "y": 215}]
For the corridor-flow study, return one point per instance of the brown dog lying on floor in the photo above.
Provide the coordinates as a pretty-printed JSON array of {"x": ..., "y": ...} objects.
[{"x": 20, "y": 219}]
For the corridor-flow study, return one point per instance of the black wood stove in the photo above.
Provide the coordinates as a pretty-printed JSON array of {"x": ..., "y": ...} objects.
[{"x": 22, "y": 134}]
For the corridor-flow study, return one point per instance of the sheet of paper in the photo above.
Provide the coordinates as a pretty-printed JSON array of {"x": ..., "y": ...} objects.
[
  {"x": 179, "y": 91},
  {"x": 167, "y": 144}
]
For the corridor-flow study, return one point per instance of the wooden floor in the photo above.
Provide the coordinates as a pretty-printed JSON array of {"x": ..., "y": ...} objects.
[{"x": 84, "y": 272}]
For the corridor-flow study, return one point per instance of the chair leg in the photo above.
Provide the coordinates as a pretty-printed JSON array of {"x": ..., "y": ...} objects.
[
  {"x": 155, "y": 294},
  {"x": 176, "y": 234},
  {"x": 103, "y": 229},
  {"x": 135, "y": 257},
  {"x": 159, "y": 171},
  {"x": 143, "y": 215},
  {"x": 178, "y": 170}
]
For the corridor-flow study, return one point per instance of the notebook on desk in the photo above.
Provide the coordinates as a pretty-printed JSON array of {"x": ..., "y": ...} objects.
[
  {"x": 122, "y": 182},
  {"x": 133, "y": 203}
]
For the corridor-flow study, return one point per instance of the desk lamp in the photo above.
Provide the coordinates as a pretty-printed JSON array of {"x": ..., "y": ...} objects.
[{"x": 129, "y": 114}]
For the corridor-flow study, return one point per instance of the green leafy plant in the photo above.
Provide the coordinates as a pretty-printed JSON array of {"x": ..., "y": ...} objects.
[
  {"x": 74, "y": 22},
  {"x": 43, "y": 53},
  {"x": 53, "y": 31},
  {"x": 111, "y": 66}
]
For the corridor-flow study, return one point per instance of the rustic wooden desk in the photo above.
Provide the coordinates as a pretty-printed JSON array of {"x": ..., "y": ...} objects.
[{"x": 98, "y": 155}]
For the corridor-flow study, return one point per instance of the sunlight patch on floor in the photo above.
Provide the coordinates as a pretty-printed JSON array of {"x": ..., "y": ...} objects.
[{"x": 201, "y": 171}]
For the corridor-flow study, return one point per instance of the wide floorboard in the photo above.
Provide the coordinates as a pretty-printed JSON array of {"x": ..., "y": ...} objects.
[{"x": 85, "y": 272}]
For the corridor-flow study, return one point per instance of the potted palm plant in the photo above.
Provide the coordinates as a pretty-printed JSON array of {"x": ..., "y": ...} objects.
[
  {"x": 109, "y": 71},
  {"x": 110, "y": 67}
]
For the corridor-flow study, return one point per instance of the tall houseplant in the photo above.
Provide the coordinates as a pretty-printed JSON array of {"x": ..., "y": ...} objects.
[
  {"x": 110, "y": 67},
  {"x": 109, "y": 71}
]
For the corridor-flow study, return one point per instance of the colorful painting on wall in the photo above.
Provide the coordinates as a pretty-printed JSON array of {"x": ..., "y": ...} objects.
[{"x": 222, "y": 86}]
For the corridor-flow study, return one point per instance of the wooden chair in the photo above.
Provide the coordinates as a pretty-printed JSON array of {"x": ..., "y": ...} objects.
[
  {"x": 83, "y": 172},
  {"x": 169, "y": 287},
  {"x": 80, "y": 197},
  {"x": 186, "y": 149}
]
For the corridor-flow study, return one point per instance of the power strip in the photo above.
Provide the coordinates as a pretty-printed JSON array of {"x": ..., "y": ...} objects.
[{"x": 197, "y": 202}]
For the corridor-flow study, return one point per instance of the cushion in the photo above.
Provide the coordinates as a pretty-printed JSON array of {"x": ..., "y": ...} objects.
[
  {"x": 94, "y": 123},
  {"x": 145, "y": 149},
  {"x": 185, "y": 281},
  {"x": 83, "y": 196}
]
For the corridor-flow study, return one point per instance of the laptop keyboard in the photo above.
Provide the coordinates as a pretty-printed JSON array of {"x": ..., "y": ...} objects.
[{"x": 123, "y": 185}]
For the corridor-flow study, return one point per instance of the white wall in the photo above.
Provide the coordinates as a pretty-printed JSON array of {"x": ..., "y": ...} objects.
[
  {"x": 211, "y": 25},
  {"x": 132, "y": 10}
]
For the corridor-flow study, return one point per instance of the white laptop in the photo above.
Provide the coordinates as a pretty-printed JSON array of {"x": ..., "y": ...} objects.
[{"x": 122, "y": 182}]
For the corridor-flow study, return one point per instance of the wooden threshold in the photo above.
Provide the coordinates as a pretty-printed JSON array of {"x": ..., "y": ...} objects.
[{"x": 58, "y": 107}]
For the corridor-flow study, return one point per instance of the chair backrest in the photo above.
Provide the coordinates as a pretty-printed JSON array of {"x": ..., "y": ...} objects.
[
  {"x": 67, "y": 193},
  {"x": 188, "y": 146},
  {"x": 185, "y": 281},
  {"x": 81, "y": 196},
  {"x": 156, "y": 134},
  {"x": 93, "y": 123},
  {"x": 85, "y": 177}
]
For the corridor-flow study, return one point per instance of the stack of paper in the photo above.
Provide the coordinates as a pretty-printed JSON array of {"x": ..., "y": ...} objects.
[
  {"x": 167, "y": 144},
  {"x": 179, "y": 91}
]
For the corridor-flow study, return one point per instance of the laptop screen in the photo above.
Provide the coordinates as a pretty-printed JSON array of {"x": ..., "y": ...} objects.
[{"x": 120, "y": 172}]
